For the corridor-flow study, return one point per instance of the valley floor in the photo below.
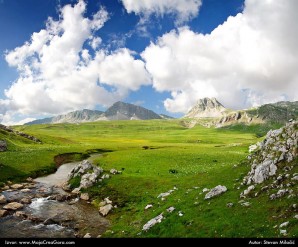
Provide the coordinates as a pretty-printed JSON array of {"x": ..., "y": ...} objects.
[{"x": 155, "y": 156}]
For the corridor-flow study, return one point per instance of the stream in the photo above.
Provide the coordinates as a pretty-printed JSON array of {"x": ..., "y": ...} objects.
[{"x": 52, "y": 212}]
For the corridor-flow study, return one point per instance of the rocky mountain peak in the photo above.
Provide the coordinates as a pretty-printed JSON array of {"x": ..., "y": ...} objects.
[
  {"x": 125, "y": 111},
  {"x": 206, "y": 108}
]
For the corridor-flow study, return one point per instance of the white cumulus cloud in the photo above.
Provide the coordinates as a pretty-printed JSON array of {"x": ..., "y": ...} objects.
[
  {"x": 250, "y": 59},
  {"x": 184, "y": 10},
  {"x": 61, "y": 68}
]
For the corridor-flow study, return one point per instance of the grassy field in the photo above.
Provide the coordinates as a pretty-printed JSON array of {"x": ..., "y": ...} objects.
[{"x": 155, "y": 156}]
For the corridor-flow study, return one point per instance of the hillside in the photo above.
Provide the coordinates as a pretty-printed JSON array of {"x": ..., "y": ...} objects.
[{"x": 209, "y": 112}]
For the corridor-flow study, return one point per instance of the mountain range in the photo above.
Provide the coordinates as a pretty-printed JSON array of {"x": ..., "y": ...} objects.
[
  {"x": 118, "y": 111},
  {"x": 207, "y": 111}
]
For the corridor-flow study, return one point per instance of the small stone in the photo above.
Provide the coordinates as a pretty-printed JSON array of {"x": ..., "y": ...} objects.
[
  {"x": 170, "y": 209},
  {"x": 3, "y": 213},
  {"x": 13, "y": 206},
  {"x": 113, "y": 171},
  {"x": 2, "y": 199},
  {"x": 25, "y": 190},
  {"x": 294, "y": 205},
  {"x": 102, "y": 203},
  {"x": 107, "y": 200},
  {"x": 105, "y": 209},
  {"x": 84, "y": 196},
  {"x": 283, "y": 232},
  {"x": 148, "y": 206},
  {"x": 20, "y": 214},
  {"x": 205, "y": 190},
  {"x": 98, "y": 236},
  {"x": 87, "y": 235},
  {"x": 285, "y": 224},
  {"x": 295, "y": 178},
  {"x": 76, "y": 191},
  {"x": 245, "y": 204},
  {"x": 105, "y": 176},
  {"x": 30, "y": 180},
  {"x": 180, "y": 213},
  {"x": 229, "y": 205},
  {"x": 17, "y": 186},
  {"x": 25, "y": 200},
  {"x": 296, "y": 217},
  {"x": 6, "y": 187}
]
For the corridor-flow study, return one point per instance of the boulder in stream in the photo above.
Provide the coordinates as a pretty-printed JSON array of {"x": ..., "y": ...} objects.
[{"x": 13, "y": 206}]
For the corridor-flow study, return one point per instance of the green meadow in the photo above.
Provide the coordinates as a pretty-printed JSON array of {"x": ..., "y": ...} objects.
[{"x": 155, "y": 156}]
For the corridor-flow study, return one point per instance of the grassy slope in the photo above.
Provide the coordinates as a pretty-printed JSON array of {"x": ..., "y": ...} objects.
[{"x": 199, "y": 156}]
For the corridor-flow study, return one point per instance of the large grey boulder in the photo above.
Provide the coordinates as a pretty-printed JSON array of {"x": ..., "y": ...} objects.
[
  {"x": 88, "y": 173},
  {"x": 219, "y": 189},
  {"x": 3, "y": 146}
]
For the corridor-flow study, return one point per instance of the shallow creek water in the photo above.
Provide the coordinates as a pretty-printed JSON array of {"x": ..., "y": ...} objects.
[{"x": 51, "y": 218}]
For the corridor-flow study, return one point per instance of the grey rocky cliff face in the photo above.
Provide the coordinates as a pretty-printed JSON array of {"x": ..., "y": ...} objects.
[
  {"x": 279, "y": 146},
  {"x": 206, "y": 108}
]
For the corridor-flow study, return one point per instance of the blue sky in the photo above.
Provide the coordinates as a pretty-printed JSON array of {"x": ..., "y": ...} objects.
[{"x": 63, "y": 55}]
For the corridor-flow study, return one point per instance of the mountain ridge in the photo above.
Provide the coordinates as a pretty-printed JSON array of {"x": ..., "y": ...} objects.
[{"x": 118, "y": 111}]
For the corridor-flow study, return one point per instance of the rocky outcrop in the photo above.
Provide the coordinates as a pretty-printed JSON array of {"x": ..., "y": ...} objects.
[
  {"x": 206, "y": 108},
  {"x": 278, "y": 147},
  {"x": 88, "y": 174},
  {"x": 219, "y": 189},
  {"x": 3, "y": 146},
  {"x": 19, "y": 133}
]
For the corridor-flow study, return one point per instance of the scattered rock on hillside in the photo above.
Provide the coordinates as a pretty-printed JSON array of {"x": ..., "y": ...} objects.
[
  {"x": 85, "y": 196},
  {"x": 87, "y": 235},
  {"x": 230, "y": 204},
  {"x": 219, "y": 189},
  {"x": 247, "y": 191},
  {"x": 165, "y": 194},
  {"x": 114, "y": 171},
  {"x": 285, "y": 224},
  {"x": 148, "y": 206},
  {"x": 3, "y": 146},
  {"x": 104, "y": 210},
  {"x": 170, "y": 209},
  {"x": 153, "y": 222}
]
